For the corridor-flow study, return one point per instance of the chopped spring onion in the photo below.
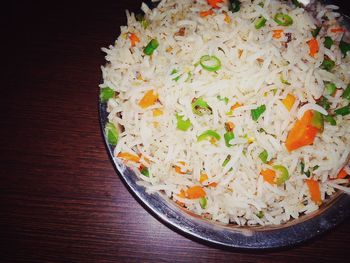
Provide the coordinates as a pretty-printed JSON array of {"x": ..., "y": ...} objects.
[
  {"x": 203, "y": 202},
  {"x": 307, "y": 173},
  {"x": 182, "y": 124},
  {"x": 145, "y": 23},
  {"x": 228, "y": 136},
  {"x": 328, "y": 42},
  {"x": 260, "y": 22},
  {"x": 344, "y": 47},
  {"x": 283, "y": 174},
  {"x": 224, "y": 99},
  {"x": 315, "y": 32},
  {"x": 225, "y": 162},
  {"x": 234, "y": 6},
  {"x": 111, "y": 133},
  {"x": 200, "y": 107},
  {"x": 256, "y": 113},
  {"x": 283, "y": 80},
  {"x": 283, "y": 19},
  {"x": 141, "y": 18},
  {"x": 330, "y": 119},
  {"x": 145, "y": 171},
  {"x": 327, "y": 64},
  {"x": 151, "y": 46},
  {"x": 189, "y": 76},
  {"x": 302, "y": 167},
  {"x": 174, "y": 71},
  {"x": 317, "y": 121},
  {"x": 260, "y": 214},
  {"x": 324, "y": 103},
  {"x": 343, "y": 111},
  {"x": 263, "y": 156},
  {"x": 106, "y": 93},
  {"x": 210, "y": 63},
  {"x": 296, "y": 3},
  {"x": 346, "y": 93},
  {"x": 209, "y": 134},
  {"x": 330, "y": 88}
]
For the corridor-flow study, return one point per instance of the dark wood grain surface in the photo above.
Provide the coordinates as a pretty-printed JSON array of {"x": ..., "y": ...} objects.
[{"x": 61, "y": 200}]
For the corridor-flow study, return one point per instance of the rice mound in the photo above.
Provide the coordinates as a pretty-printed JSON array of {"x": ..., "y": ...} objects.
[{"x": 257, "y": 68}]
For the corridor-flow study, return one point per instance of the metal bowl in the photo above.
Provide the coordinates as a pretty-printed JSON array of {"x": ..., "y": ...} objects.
[{"x": 331, "y": 213}]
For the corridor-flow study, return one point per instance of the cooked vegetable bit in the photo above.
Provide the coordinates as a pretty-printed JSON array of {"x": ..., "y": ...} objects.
[
  {"x": 330, "y": 88},
  {"x": 314, "y": 189},
  {"x": 283, "y": 19},
  {"x": 224, "y": 99},
  {"x": 129, "y": 157},
  {"x": 296, "y": 3},
  {"x": 182, "y": 124},
  {"x": 209, "y": 134},
  {"x": 157, "y": 112},
  {"x": 343, "y": 111},
  {"x": 328, "y": 42},
  {"x": 233, "y": 107},
  {"x": 203, "y": 202},
  {"x": 330, "y": 119},
  {"x": 324, "y": 103},
  {"x": 277, "y": 33},
  {"x": 151, "y": 46},
  {"x": 111, "y": 133},
  {"x": 303, "y": 132},
  {"x": 342, "y": 174},
  {"x": 289, "y": 101},
  {"x": 256, "y": 113},
  {"x": 174, "y": 71},
  {"x": 260, "y": 22},
  {"x": 229, "y": 126},
  {"x": 210, "y": 63},
  {"x": 225, "y": 162},
  {"x": 346, "y": 93},
  {"x": 106, "y": 94},
  {"x": 317, "y": 121},
  {"x": 269, "y": 175},
  {"x": 145, "y": 171},
  {"x": 344, "y": 47},
  {"x": 203, "y": 177},
  {"x": 234, "y": 6},
  {"x": 206, "y": 13},
  {"x": 227, "y": 18},
  {"x": 315, "y": 32},
  {"x": 260, "y": 214},
  {"x": 313, "y": 47},
  {"x": 143, "y": 21},
  {"x": 228, "y": 136},
  {"x": 195, "y": 192},
  {"x": 200, "y": 107},
  {"x": 338, "y": 30},
  {"x": 263, "y": 156},
  {"x": 214, "y": 3},
  {"x": 327, "y": 64},
  {"x": 283, "y": 174},
  {"x": 149, "y": 99},
  {"x": 283, "y": 80},
  {"x": 134, "y": 39}
]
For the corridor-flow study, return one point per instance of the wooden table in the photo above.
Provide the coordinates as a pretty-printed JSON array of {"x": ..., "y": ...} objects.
[{"x": 61, "y": 200}]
